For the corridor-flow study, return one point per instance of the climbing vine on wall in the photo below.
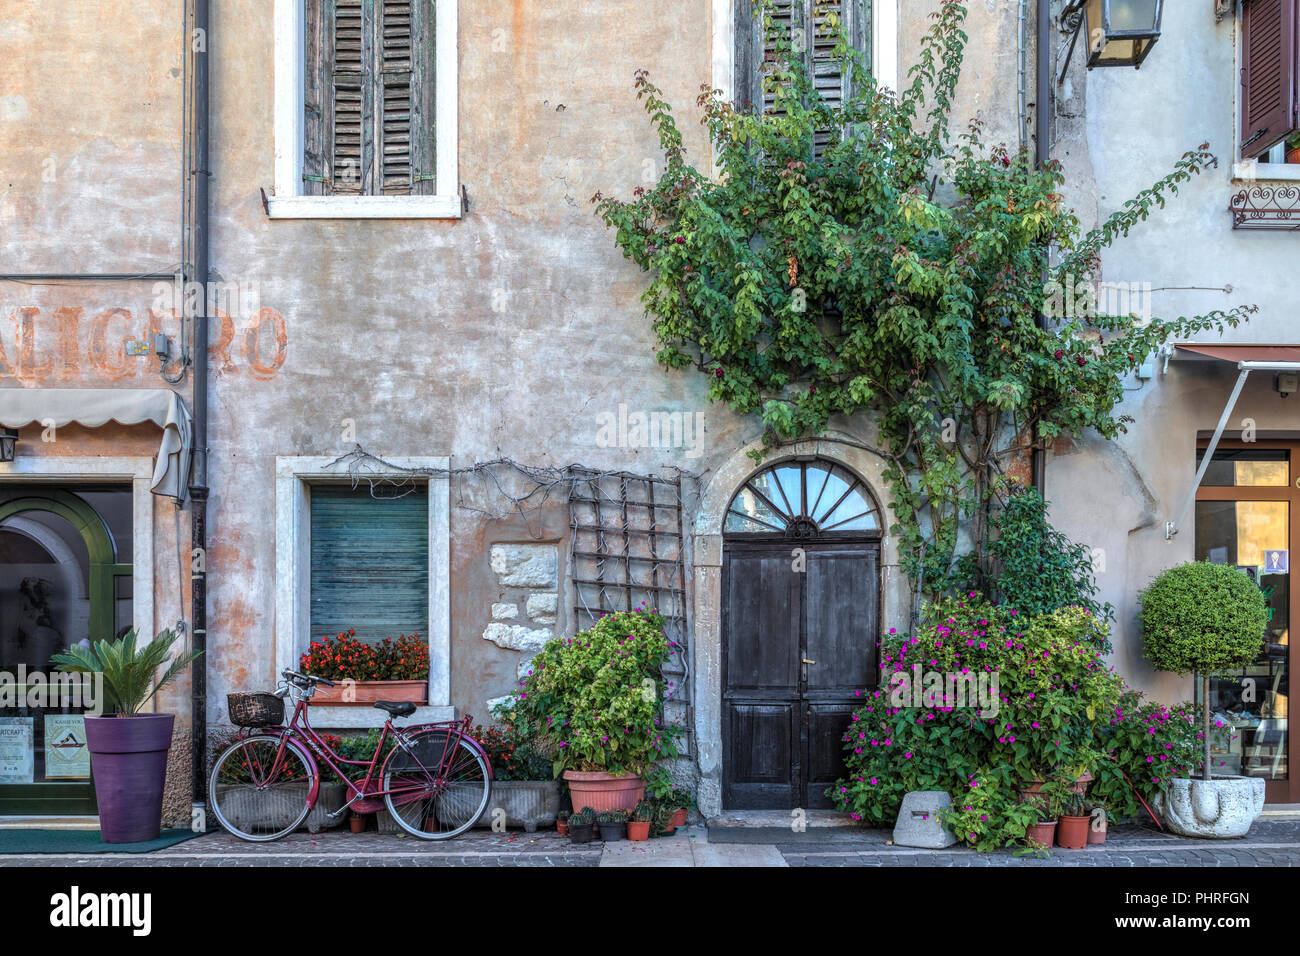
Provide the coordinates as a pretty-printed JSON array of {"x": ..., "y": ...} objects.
[{"x": 899, "y": 271}]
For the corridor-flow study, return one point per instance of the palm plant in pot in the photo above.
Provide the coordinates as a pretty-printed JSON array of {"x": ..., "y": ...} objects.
[
  {"x": 594, "y": 702},
  {"x": 128, "y": 750},
  {"x": 1206, "y": 619}
]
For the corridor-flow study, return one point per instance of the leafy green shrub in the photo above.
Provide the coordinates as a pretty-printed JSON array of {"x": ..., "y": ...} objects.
[
  {"x": 1052, "y": 693},
  {"x": 1203, "y": 618},
  {"x": 595, "y": 700},
  {"x": 1038, "y": 569},
  {"x": 1150, "y": 744}
]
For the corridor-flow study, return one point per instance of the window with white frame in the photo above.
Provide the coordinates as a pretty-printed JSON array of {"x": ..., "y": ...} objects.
[
  {"x": 374, "y": 560},
  {"x": 365, "y": 109}
]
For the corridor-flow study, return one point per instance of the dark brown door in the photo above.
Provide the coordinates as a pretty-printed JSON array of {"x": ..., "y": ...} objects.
[{"x": 800, "y": 622}]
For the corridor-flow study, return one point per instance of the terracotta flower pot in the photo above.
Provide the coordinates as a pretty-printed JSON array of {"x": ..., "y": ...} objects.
[
  {"x": 1293, "y": 154},
  {"x": 604, "y": 791},
  {"x": 562, "y": 827},
  {"x": 1042, "y": 834},
  {"x": 1080, "y": 784},
  {"x": 366, "y": 692},
  {"x": 128, "y": 760},
  {"x": 678, "y": 819},
  {"x": 1072, "y": 832},
  {"x": 1097, "y": 833},
  {"x": 357, "y": 824},
  {"x": 637, "y": 831}
]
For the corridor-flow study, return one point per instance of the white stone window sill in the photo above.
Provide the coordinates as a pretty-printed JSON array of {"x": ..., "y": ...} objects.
[
  {"x": 346, "y": 716},
  {"x": 364, "y": 207},
  {"x": 1250, "y": 172}
]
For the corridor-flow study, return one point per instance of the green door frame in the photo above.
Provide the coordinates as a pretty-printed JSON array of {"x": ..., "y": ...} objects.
[{"x": 79, "y": 797}]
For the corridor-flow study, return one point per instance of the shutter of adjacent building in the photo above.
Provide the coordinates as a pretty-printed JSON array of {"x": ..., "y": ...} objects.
[
  {"x": 369, "y": 562},
  {"x": 1268, "y": 74},
  {"x": 369, "y": 98}
]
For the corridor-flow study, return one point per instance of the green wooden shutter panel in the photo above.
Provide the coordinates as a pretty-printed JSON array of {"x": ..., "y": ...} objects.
[{"x": 369, "y": 563}]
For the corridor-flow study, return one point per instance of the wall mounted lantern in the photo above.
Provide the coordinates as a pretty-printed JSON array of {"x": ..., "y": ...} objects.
[
  {"x": 1121, "y": 32},
  {"x": 8, "y": 440}
]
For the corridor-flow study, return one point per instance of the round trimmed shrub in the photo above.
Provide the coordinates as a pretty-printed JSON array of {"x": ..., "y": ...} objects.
[{"x": 1203, "y": 618}]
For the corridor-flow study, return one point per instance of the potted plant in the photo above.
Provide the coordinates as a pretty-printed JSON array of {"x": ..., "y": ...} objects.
[
  {"x": 523, "y": 784},
  {"x": 1072, "y": 827},
  {"x": 1048, "y": 799},
  {"x": 613, "y": 824},
  {"x": 1293, "y": 148},
  {"x": 581, "y": 825},
  {"x": 357, "y": 823},
  {"x": 128, "y": 750},
  {"x": 595, "y": 702},
  {"x": 1206, "y": 619},
  {"x": 365, "y": 673},
  {"x": 638, "y": 824},
  {"x": 1096, "y": 823},
  {"x": 562, "y": 822}
]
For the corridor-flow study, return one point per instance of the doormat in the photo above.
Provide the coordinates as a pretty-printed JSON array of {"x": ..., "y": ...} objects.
[{"x": 83, "y": 841}]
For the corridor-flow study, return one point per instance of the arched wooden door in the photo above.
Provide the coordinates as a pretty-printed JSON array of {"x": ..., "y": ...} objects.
[{"x": 800, "y": 622}]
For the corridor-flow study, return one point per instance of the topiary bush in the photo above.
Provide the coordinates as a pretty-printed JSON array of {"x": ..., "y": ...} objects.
[
  {"x": 1203, "y": 618},
  {"x": 594, "y": 701}
]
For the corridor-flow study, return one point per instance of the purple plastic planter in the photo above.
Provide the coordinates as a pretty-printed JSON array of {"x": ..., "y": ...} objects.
[{"x": 128, "y": 759}]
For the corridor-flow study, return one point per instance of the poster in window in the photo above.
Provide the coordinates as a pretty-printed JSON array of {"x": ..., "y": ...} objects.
[
  {"x": 17, "y": 756},
  {"x": 66, "y": 755}
]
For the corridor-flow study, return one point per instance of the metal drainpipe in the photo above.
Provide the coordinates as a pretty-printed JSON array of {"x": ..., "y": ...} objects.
[
  {"x": 199, "y": 478},
  {"x": 1042, "y": 153}
]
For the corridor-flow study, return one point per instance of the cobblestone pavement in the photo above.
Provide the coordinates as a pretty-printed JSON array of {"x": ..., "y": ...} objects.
[{"x": 1271, "y": 843}]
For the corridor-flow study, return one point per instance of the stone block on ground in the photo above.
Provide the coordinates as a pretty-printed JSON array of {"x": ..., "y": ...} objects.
[{"x": 918, "y": 822}]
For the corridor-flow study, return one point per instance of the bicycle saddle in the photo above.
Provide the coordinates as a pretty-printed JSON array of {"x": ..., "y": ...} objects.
[{"x": 395, "y": 708}]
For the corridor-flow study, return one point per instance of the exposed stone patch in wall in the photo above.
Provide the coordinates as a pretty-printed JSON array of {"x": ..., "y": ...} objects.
[{"x": 527, "y": 574}]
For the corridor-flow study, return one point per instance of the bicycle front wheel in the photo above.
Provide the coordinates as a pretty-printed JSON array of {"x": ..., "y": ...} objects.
[
  {"x": 442, "y": 785},
  {"x": 257, "y": 797}
]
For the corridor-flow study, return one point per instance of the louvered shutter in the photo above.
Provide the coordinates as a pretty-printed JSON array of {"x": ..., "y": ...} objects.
[
  {"x": 369, "y": 98},
  {"x": 1268, "y": 74},
  {"x": 369, "y": 562},
  {"x": 804, "y": 22}
]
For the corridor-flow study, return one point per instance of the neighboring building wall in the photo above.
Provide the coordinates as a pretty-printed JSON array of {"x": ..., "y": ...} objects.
[{"x": 1119, "y": 130}]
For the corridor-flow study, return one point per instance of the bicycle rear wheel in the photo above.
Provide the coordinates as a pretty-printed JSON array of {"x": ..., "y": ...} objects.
[
  {"x": 252, "y": 796},
  {"x": 443, "y": 785}
]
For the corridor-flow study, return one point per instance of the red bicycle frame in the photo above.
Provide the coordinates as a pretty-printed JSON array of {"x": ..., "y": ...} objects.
[{"x": 366, "y": 793}]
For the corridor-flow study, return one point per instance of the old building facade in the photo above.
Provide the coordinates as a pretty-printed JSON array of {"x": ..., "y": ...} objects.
[{"x": 418, "y": 326}]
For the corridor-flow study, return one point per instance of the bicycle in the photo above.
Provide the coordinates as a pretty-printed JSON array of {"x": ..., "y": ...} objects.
[{"x": 436, "y": 781}]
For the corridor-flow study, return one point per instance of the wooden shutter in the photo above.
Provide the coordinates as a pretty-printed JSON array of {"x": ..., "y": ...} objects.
[
  {"x": 369, "y": 562},
  {"x": 803, "y": 21},
  {"x": 369, "y": 98},
  {"x": 1268, "y": 74}
]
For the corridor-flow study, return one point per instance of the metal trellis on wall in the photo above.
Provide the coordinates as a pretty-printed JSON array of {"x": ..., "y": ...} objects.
[{"x": 627, "y": 546}]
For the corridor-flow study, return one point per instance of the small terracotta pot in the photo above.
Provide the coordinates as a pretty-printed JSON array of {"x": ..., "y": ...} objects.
[
  {"x": 1042, "y": 834},
  {"x": 1097, "y": 834},
  {"x": 1080, "y": 784},
  {"x": 357, "y": 824},
  {"x": 1072, "y": 832},
  {"x": 678, "y": 819},
  {"x": 1293, "y": 154},
  {"x": 638, "y": 831},
  {"x": 562, "y": 827}
]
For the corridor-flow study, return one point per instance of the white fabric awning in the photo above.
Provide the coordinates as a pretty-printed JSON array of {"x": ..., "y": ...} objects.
[{"x": 127, "y": 406}]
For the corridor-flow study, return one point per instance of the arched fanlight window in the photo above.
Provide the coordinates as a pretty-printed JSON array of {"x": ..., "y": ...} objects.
[{"x": 802, "y": 499}]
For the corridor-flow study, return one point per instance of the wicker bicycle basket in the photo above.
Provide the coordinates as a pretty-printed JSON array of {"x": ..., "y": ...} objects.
[{"x": 255, "y": 710}]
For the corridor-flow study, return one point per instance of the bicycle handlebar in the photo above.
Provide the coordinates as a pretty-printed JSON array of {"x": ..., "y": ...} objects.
[{"x": 294, "y": 675}]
